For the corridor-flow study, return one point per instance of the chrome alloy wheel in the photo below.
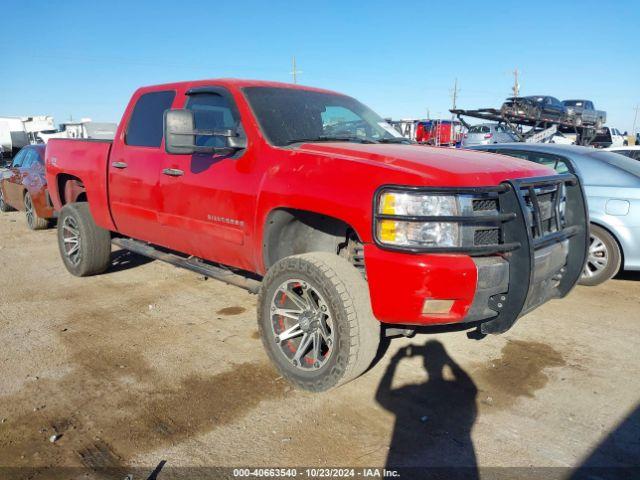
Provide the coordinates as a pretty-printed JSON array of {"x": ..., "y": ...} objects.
[
  {"x": 29, "y": 210},
  {"x": 71, "y": 238},
  {"x": 302, "y": 325},
  {"x": 598, "y": 257}
]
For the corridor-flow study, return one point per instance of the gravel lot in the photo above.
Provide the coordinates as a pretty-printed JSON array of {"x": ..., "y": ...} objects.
[{"x": 148, "y": 362}]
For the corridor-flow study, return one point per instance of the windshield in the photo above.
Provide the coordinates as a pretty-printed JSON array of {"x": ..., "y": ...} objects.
[
  {"x": 573, "y": 103},
  {"x": 287, "y": 115},
  {"x": 479, "y": 129}
]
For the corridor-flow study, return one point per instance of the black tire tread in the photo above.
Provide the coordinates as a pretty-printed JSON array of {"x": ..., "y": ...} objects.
[
  {"x": 5, "y": 207},
  {"x": 353, "y": 292},
  {"x": 38, "y": 222},
  {"x": 96, "y": 242},
  {"x": 615, "y": 261}
]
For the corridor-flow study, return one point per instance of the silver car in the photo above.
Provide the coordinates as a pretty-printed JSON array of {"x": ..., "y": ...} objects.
[
  {"x": 488, "y": 133},
  {"x": 612, "y": 187}
]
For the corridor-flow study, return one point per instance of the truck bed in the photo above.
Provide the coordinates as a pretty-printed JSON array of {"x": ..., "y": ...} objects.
[{"x": 85, "y": 161}]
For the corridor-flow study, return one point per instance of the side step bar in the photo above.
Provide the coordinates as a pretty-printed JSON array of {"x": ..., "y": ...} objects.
[{"x": 190, "y": 263}]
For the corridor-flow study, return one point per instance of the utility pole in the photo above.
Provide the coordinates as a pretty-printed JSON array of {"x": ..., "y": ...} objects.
[
  {"x": 294, "y": 70},
  {"x": 635, "y": 119},
  {"x": 454, "y": 93},
  {"x": 516, "y": 86}
]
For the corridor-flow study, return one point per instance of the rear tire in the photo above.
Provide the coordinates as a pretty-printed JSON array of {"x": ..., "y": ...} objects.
[
  {"x": 85, "y": 248},
  {"x": 324, "y": 299},
  {"x": 34, "y": 222},
  {"x": 604, "y": 258}
]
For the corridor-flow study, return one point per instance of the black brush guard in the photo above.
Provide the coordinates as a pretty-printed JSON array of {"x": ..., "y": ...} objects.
[
  {"x": 523, "y": 234},
  {"x": 525, "y": 292}
]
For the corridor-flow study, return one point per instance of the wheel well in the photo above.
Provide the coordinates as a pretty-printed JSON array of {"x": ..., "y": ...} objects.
[
  {"x": 292, "y": 232},
  {"x": 615, "y": 239},
  {"x": 71, "y": 189}
]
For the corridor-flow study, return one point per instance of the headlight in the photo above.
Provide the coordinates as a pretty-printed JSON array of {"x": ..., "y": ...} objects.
[{"x": 415, "y": 232}]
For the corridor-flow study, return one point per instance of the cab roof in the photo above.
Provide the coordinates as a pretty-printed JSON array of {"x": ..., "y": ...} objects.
[{"x": 233, "y": 83}]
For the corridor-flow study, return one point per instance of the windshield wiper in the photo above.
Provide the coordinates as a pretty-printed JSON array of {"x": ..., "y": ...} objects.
[
  {"x": 325, "y": 138},
  {"x": 395, "y": 140}
]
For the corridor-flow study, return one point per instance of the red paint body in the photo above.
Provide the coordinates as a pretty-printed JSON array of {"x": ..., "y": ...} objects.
[
  {"x": 20, "y": 180},
  {"x": 336, "y": 179}
]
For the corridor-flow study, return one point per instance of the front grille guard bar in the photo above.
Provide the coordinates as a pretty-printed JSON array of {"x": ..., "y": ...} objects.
[
  {"x": 522, "y": 297},
  {"x": 518, "y": 243}
]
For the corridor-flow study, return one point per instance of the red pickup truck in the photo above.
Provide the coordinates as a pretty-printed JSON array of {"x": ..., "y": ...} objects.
[{"x": 345, "y": 229}]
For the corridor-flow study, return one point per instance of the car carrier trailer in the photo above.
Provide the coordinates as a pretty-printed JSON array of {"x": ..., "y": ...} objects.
[{"x": 584, "y": 134}]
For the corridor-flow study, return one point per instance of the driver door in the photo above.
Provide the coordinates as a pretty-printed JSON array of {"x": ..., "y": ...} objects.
[{"x": 208, "y": 200}]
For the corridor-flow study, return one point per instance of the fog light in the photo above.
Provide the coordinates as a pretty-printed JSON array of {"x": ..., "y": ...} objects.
[{"x": 432, "y": 306}]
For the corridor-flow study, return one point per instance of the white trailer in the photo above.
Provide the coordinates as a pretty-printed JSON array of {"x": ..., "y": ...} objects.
[
  {"x": 13, "y": 135},
  {"x": 85, "y": 128}
]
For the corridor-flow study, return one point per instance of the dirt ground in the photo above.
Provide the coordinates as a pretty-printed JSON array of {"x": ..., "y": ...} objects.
[{"x": 149, "y": 362}]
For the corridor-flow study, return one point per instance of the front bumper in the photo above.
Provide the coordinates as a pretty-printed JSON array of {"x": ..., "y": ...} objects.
[{"x": 494, "y": 288}]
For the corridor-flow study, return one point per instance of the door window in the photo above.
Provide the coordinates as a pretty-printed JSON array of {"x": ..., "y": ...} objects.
[
  {"x": 146, "y": 123},
  {"x": 212, "y": 111}
]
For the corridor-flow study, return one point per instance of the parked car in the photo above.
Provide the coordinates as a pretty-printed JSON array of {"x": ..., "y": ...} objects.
[
  {"x": 24, "y": 187},
  {"x": 631, "y": 151},
  {"x": 338, "y": 233},
  {"x": 609, "y": 137},
  {"x": 612, "y": 185},
  {"x": 582, "y": 112},
  {"x": 488, "y": 133},
  {"x": 537, "y": 107}
]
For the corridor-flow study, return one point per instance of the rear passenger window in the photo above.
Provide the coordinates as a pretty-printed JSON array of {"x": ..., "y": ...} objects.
[{"x": 146, "y": 123}]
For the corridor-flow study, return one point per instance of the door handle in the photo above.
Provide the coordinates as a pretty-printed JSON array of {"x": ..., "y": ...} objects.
[
  {"x": 119, "y": 165},
  {"x": 173, "y": 172}
]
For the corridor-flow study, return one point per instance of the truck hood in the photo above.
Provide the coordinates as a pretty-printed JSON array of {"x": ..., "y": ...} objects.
[{"x": 436, "y": 166}]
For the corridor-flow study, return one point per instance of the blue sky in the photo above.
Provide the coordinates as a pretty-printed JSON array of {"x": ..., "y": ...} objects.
[{"x": 85, "y": 58}]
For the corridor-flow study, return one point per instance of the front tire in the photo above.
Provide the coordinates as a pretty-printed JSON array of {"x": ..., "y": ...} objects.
[
  {"x": 315, "y": 320},
  {"x": 85, "y": 248},
  {"x": 604, "y": 258}
]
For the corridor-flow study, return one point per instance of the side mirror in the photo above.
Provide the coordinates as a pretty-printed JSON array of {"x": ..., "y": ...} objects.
[{"x": 179, "y": 136}]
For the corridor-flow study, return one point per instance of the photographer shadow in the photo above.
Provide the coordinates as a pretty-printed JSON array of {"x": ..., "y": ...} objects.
[{"x": 434, "y": 418}]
